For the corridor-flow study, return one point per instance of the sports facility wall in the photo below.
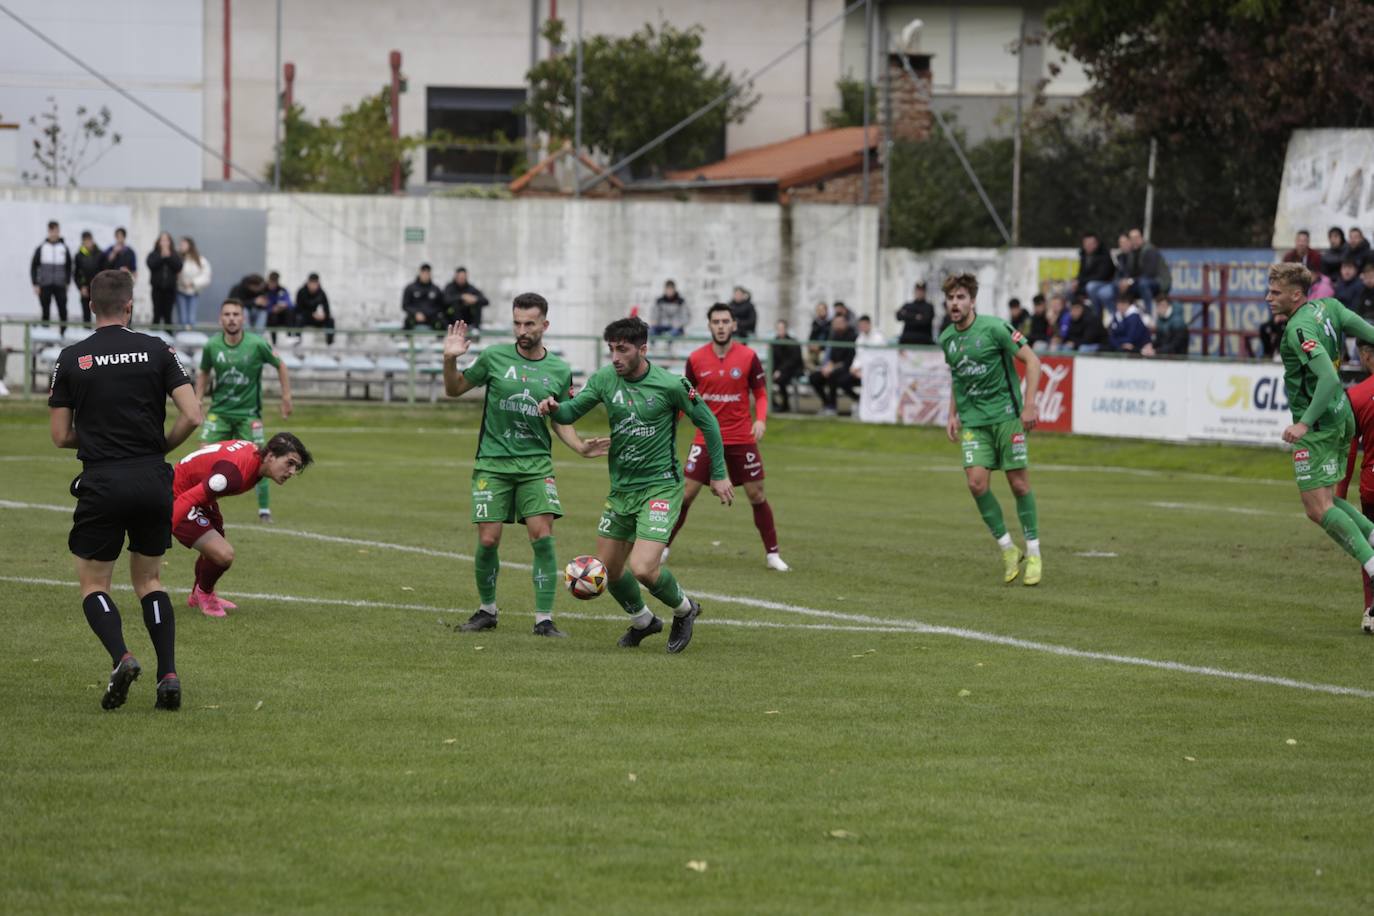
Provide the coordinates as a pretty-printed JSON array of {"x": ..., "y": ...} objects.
[{"x": 1171, "y": 400}]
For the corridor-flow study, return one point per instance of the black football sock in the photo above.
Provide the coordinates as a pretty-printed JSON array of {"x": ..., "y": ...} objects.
[
  {"x": 103, "y": 617},
  {"x": 162, "y": 628}
]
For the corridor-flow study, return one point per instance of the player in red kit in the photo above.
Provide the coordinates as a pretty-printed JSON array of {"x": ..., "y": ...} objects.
[
  {"x": 1362, "y": 402},
  {"x": 725, "y": 373},
  {"x": 209, "y": 474}
]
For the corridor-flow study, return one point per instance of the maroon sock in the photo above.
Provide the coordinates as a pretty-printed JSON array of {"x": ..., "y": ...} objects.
[
  {"x": 682, "y": 517},
  {"x": 763, "y": 520},
  {"x": 207, "y": 574}
]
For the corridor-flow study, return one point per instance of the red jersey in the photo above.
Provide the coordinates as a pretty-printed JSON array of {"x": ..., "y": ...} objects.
[
  {"x": 724, "y": 383},
  {"x": 222, "y": 469}
]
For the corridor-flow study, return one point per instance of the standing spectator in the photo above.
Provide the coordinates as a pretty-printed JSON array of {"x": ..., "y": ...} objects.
[
  {"x": 918, "y": 319},
  {"x": 193, "y": 280},
  {"x": 670, "y": 312},
  {"x": 1095, "y": 275},
  {"x": 1348, "y": 285},
  {"x": 1039, "y": 335},
  {"x": 463, "y": 301},
  {"x": 1128, "y": 333},
  {"x": 422, "y": 304},
  {"x": 746, "y": 316},
  {"x": 164, "y": 266},
  {"x": 251, "y": 292},
  {"x": 786, "y": 356},
  {"x": 1359, "y": 247},
  {"x": 867, "y": 338},
  {"x": 1150, "y": 275},
  {"x": 1171, "y": 329},
  {"x": 85, "y": 265},
  {"x": 1303, "y": 253},
  {"x": 833, "y": 373},
  {"x": 1336, "y": 250},
  {"x": 1018, "y": 317},
  {"x": 50, "y": 271},
  {"x": 1084, "y": 333},
  {"x": 280, "y": 311},
  {"x": 312, "y": 308},
  {"x": 120, "y": 256}
]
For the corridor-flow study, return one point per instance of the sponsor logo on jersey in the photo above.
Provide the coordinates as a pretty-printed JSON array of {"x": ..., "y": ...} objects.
[
  {"x": 1309, "y": 345},
  {"x": 1016, "y": 337},
  {"x": 968, "y": 435},
  {"x": 111, "y": 359},
  {"x": 482, "y": 484},
  {"x": 722, "y": 398},
  {"x": 1018, "y": 438},
  {"x": 1301, "y": 454},
  {"x": 85, "y": 362},
  {"x": 659, "y": 505}
]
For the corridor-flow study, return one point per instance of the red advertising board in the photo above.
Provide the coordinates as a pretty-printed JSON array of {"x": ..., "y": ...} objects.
[{"x": 1055, "y": 397}]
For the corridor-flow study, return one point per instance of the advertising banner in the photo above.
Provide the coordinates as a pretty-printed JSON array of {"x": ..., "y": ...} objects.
[
  {"x": 1055, "y": 397},
  {"x": 1130, "y": 397},
  {"x": 878, "y": 401},
  {"x": 1248, "y": 279},
  {"x": 1237, "y": 402},
  {"x": 924, "y": 388}
]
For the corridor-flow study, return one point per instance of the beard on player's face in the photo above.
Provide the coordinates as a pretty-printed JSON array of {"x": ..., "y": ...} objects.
[{"x": 722, "y": 336}]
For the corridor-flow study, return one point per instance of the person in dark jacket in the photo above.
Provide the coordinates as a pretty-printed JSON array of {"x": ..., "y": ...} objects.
[
  {"x": 312, "y": 308},
  {"x": 786, "y": 356},
  {"x": 422, "y": 303},
  {"x": 252, "y": 292},
  {"x": 1171, "y": 329},
  {"x": 1018, "y": 317},
  {"x": 1303, "y": 253},
  {"x": 833, "y": 375},
  {"x": 85, "y": 265},
  {"x": 1128, "y": 333},
  {"x": 670, "y": 313},
  {"x": 281, "y": 312},
  {"x": 1364, "y": 303},
  {"x": 1348, "y": 284},
  {"x": 50, "y": 271},
  {"x": 463, "y": 301},
  {"x": 1085, "y": 333},
  {"x": 918, "y": 319},
  {"x": 746, "y": 316},
  {"x": 1040, "y": 330},
  {"x": 1148, "y": 271},
  {"x": 1096, "y": 274},
  {"x": 1336, "y": 250},
  {"x": 1359, "y": 247},
  {"x": 120, "y": 256},
  {"x": 164, "y": 264}
]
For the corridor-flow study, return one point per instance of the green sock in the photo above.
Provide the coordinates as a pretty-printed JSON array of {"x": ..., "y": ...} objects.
[
  {"x": 626, "y": 591},
  {"x": 545, "y": 574},
  {"x": 1365, "y": 525},
  {"x": 991, "y": 510},
  {"x": 1343, "y": 531},
  {"x": 1025, "y": 510},
  {"x": 486, "y": 567},
  {"x": 264, "y": 494},
  {"x": 667, "y": 590}
]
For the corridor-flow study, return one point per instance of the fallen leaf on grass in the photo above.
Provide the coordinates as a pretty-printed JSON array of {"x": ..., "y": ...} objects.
[
  {"x": 697, "y": 865},
  {"x": 450, "y": 740},
  {"x": 1291, "y": 741},
  {"x": 1191, "y": 759},
  {"x": 966, "y": 693},
  {"x": 407, "y": 588},
  {"x": 362, "y": 551},
  {"x": 772, "y": 712},
  {"x": 715, "y": 543},
  {"x": 478, "y": 648},
  {"x": 259, "y": 706},
  {"x": 843, "y": 835},
  {"x": 979, "y": 665},
  {"x": 634, "y": 778}
]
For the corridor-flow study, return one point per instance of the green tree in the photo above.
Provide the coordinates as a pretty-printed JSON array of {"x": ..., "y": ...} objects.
[
  {"x": 851, "y": 110},
  {"x": 633, "y": 89},
  {"x": 63, "y": 153}
]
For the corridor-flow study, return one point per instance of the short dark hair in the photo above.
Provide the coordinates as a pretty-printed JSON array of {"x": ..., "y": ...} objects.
[
  {"x": 231, "y": 301},
  {"x": 1014, "y": 303},
  {"x": 424, "y": 267},
  {"x": 460, "y": 269},
  {"x": 1038, "y": 299},
  {"x": 274, "y": 276},
  {"x": 631, "y": 330},
  {"x": 530, "y": 301},
  {"x": 1304, "y": 232},
  {"x": 719, "y": 307},
  {"x": 865, "y": 318},
  {"x": 670, "y": 283},
  {"x": 1366, "y": 345},
  {"x": 283, "y": 444},
  {"x": 110, "y": 291},
  {"x": 86, "y": 234},
  {"x": 52, "y": 224},
  {"x": 315, "y": 277},
  {"x": 965, "y": 281},
  {"x": 122, "y": 231}
]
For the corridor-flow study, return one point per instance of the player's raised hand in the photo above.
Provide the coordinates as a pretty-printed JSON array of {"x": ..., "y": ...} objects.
[
  {"x": 1295, "y": 432},
  {"x": 546, "y": 406},
  {"x": 723, "y": 490},
  {"x": 759, "y": 427},
  {"x": 456, "y": 341},
  {"x": 952, "y": 427},
  {"x": 596, "y": 446}
]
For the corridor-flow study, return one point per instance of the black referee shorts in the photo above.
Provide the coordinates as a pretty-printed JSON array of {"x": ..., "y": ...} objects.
[{"x": 112, "y": 500}]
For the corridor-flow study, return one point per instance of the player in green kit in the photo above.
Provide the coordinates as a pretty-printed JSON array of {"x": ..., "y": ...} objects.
[
  {"x": 1323, "y": 422},
  {"x": 987, "y": 417},
  {"x": 233, "y": 361},
  {"x": 642, "y": 402},
  {"x": 512, "y": 479}
]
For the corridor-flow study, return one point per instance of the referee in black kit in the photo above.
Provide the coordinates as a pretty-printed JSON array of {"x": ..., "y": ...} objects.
[{"x": 109, "y": 402}]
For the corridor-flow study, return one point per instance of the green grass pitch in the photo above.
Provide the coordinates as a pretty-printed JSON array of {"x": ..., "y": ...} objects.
[{"x": 343, "y": 749}]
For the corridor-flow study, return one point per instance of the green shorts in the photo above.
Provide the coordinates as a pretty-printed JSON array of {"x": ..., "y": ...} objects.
[
  {"x": 643, "y": 514},
  {"x": 998, "y": 448},
  {"x": 1319, "y": 457},
  {"x": 219, "y": 428},
  {"x": 510, "y": 498}
]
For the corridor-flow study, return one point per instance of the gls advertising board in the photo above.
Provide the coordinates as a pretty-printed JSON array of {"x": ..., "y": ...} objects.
[{"x": 1237, "y": 402}]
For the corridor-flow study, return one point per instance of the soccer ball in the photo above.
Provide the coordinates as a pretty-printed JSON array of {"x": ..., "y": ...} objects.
[{"x": 586, "y": 577}]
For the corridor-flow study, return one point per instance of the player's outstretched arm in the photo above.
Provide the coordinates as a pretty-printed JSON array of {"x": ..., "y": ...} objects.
[
  {"x": 1356, "y": 326},
  {"x": 573, "y": 409},
  {"x": 706, "y": 421},
  {"x": 587, "y": 448},
  {"x": 189, "y": 416},
  {"x": 1030, "y": 410}
]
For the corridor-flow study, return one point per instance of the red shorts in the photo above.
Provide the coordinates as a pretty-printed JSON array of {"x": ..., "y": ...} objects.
[
  {"x": 743, "y": 462},
  {"x": 190, "y": 522}
]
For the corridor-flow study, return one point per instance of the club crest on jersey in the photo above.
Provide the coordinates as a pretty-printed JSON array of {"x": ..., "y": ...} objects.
[
  {"x": 85, "y": 362},
  {"x": 735, "y": 373},
  {"x": 1308, "y": 346}
]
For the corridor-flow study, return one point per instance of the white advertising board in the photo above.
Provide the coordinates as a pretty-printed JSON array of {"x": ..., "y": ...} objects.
[
  {"x": 882, "y": 377},
  {"x": 1135, "y": 398},
  {"x": 1237, "y": 402}
]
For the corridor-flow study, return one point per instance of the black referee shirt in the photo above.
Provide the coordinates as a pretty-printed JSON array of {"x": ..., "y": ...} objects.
[{"x": 117, "y": 381}]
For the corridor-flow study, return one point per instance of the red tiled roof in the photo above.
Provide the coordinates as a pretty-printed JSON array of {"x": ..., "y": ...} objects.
[
  {"x": 546, "y": 166},
  {"x": 790, "y": 163}
]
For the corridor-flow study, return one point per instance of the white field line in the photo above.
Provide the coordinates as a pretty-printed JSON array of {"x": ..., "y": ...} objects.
[
  {"x": 887, "y": 623},
  {"x": 41, "y": 507},
  {"x": 1236, "y": 510}
]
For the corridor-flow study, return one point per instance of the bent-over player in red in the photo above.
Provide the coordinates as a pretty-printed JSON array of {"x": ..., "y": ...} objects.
[
  {"x": 1362, "y": 403},
  {"x": 209, "y": 474},
  {"x": 725, "y": 373}
]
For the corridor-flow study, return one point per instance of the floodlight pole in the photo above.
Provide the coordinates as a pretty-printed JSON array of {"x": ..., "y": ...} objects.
[
  {"x": 868, "y": 85},
  {"x": 276, "y": 118},
  {"x": 1150, "y": 188},
  {"x": 577, "y": 111}
]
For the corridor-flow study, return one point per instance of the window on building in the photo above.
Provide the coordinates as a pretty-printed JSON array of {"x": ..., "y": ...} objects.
[{"x": 489, "y": 134}]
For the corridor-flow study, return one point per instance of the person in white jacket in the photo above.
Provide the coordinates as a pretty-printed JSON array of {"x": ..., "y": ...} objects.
[
  {"x": 867, "y": 336},
  {"x": 191, "y": 282}
]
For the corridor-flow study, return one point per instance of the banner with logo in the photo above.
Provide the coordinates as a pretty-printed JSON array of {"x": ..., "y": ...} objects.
[
  {"x": 1132, "y": 398},
  {"x": 882, "y": 379},
  {"x": 1055, "y": 397},
  {"x": 924, "y": 388},
  {"x": 1237, "y": 402}
]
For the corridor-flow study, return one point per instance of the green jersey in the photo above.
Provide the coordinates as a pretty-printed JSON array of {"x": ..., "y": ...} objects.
[
  {"x": 1313, "y": 332},
  {"x": 987, "y": 390},
  {"x": 644, "y": 414},
  {"x": 237, "y": 373},
  {"x": 514, "y": 438}
]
